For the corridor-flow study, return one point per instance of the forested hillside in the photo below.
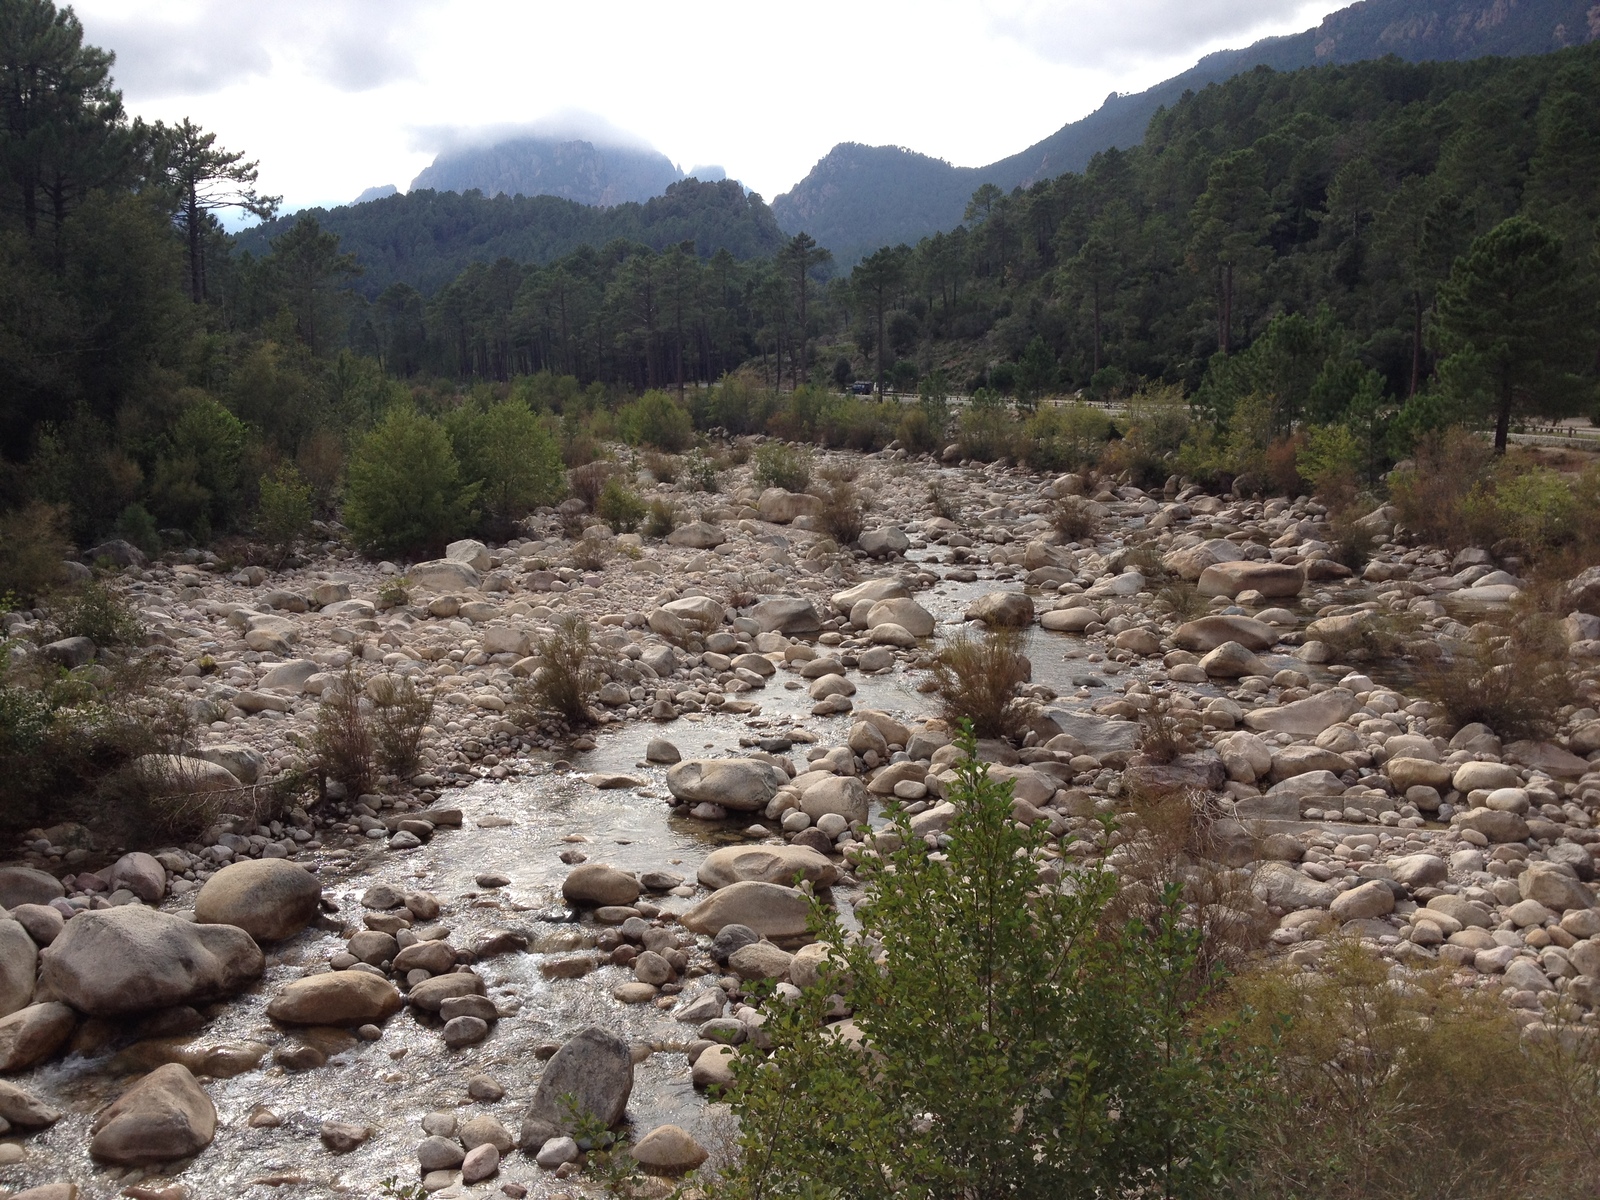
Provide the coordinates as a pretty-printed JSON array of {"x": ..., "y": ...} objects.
[
  {"x": 860, "y": 197},
  {"x": 426, "y": 238}
]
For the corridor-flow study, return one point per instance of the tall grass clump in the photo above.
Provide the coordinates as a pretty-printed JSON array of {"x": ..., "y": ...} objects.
[
  {"x": 342, "y": 745},
  {"x": 977, "y": 679},
  {"x": 619, "y": 506},
  {"x": 843, "y": 514},
  {"x": 565, "y": 679},
  {"x": 781, "y": 465},
  {"x": 400, "y": 715},
  {"x": 1075, "y": 520},
  {"x": 1512, "y": 678}
]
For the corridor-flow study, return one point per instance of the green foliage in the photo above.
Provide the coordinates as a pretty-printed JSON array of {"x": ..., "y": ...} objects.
[
  {"x": 1065, "y": 437},
  {"x": 700, "y": 473},
  {"x": 196, "y": 483},
  {"x": 656, "y": 420},
  {"x": 987, "y": 429},
  {"x": 98, "y": 613},
  {"x": 404, "y": 493},
  {"x": 137, "y": 527},
  {"x": 1013, "y": 1039},
  {"x": 1330, "y": 461},
  {"x": 659, "y": 519},
  {"x": 509, "y": 452},
  {"x": 780, "y": 465},
  {"x": 32, "y": 551},
  {"x": 284, "y": 518},
  {"x": 565, "y": 678},
  {"x": 619, "y": 506}
]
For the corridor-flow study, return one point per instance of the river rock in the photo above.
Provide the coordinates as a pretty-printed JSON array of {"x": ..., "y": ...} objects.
[
  {"x": 1407, "y": 773},
  {"x": 164, "y": 1116},
  {"x": 1003, "y": 609},
  {"x": 31, "y": 1035},
  {"x": 25, "y": 1110},
  {"x": 791, "y": 615},
  {"x": 1582, "y": 593},
  {"x": 737, "y": 784},
  {"x": 1271, "y": 579},
  {"x": 445, "y": 575},
  {"x": 335, "y": 998},
  {"x": 1374, "y": 898},
  {"x": 430, "y": 994},
  {"x": 1419, "y": 870},
  {"x": 135, "y": 959},
  {"x": 1495, "y": 825},
  {"x": 1304, "y": 718},
  {"x": 19, "y": 965},
  {"x": 599, "y": 884},
  {"x": 781, "y": 507},
  {"x": 436, "y": 1153},
  {"x": 593, "y": 1074},
  {"x": 904, "y": 612},
  {"x": 697, "y": 535},
  {"x": 765, "y": 864},
  {"x": 668, "y": 1150},
  {"x": 1208, "y": 633},
  {"x": 770, "y": 909},
  {"x": 842, "y": 794},
  {"x": 1069, "y": 620},
  {"x": 24, "y": 885},
  {"x": 1490, "y": 776},
  {"x": 268, "y": 898},
  {"x": 1232, "y": 661},
  {"x": 872, "y": 589},
  {"x": 1290, "y": 888},
  {"x": 1554, "y": 885},
  {"x": 884, "y": 542}
]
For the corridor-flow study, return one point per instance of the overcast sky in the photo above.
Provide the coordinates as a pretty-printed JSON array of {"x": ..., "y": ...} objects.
[{"x": 334, "y": 96}]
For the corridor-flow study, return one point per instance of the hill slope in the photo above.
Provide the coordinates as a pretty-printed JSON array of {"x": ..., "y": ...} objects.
[
  {"x": 858, "y": 198},
  {"x": 541, "y": 166},
  {"x": 426, "y": 238}
]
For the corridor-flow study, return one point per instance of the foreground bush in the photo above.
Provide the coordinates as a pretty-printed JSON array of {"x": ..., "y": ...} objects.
[
  {"x": 404, "y": 494},
  {"x": 1513, "y": 679},
  {"x": 1014, "y": 1041},
  {"x": 509, "y": 452}
]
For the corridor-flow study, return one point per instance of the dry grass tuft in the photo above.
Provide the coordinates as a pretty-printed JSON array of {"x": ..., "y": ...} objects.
[
  {"x": 565, "y": 680},
  {"x": 1074, "y": 520},
  {"x": 977, "y": 679},
  {"x": 1512, "y": 678},
  {"x": 400, "y": 713},
  {"x": 342, "y": 748},
  {"x": 588, "y": 481},
  {"x": 843, "y": 514}
]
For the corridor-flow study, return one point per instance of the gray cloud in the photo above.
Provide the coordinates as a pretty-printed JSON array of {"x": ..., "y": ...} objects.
[
  {"x": 1098, "y": 33},
  {"x": 570, "y": 124},
  {"x": 352, "y": 45}
]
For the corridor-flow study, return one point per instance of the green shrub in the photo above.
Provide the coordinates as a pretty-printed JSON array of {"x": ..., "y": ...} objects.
[
  {"x": 33, "y": 550},
  {"x": 1331, "y": 462},
  {"x": 988, "y": 430},
  {"x": 619, "y": 506},
  {"x": 137, "y": 527},
  {"x": 780, "y": 465},
  {"x": 1010, "y": 1040},
  {"x": 509, "y": 452},
  {"x": 977, "y": 679},
  {"x": 843, "y": 514},
  {"x": 404, "y": 493},
  {"x": 700, "y": 473},
  {"x": 284, "y": 518},
  {"x": 196, "y": 482},
  {"x": 96, "y": 612},
  {"x": 565, "y": 678},
  {"x": 1065, "y": 437},
  {"x": 659, "y": 519},
  {"x": 656, "y": 419}
]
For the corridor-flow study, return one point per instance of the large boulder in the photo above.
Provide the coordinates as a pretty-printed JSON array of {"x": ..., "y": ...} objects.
[
  {"x": 1304, "y": 718},
  {"x": 1289, "y": 888},
  {"x": 470, "y": 551},
  {"x": 1191, "y": 562},
  {"x": 1208, "y": 633},
  {"x": 697, "y": 535},
  {"x": 1007, "y": 609},
  {"x": 781, "y": 507},
  {"x": 24, "y": 885},
  {"x": 177, "y": 774},
  {"x": 25, "y": 1110},
  {"x": 335, "y": 998},
  {"x": 135, "y": 959},
  {"x": 1555, "y": 886},
  {"x": 589, "y": 1077},
  {"x": 1406, "y": 772},
  {"x": 668, "y": 1150},
  {"x": 164, "y": 1116},
  {"x": 871, "y": 589},
  {"x": 31, "y": 1035},
  {"x": 792, "y": 615},
  {"x": 600, "y": 884},
  {"x": 1488, "y": 776},
  {"x": 904, "y": 612},
  {"x": 771, "y": 909},
  {"x": 738, "y": 784},
  {"x": 842, "y": 794},
  {"x": 19, "y": 963},
  {"x": 697, "y": 612},
  {"x": 885, "y": 542},
  {"x": 1582, "y": 593},
  {"x": 445, "y": 575},
  {"x": 766, "y": 864},
  {"x": 1269, "y": 578},
  {"x": 1231, "y": 660},
  {"x": 269, "y": 898},
  {"x": 1495, "y": 825}
]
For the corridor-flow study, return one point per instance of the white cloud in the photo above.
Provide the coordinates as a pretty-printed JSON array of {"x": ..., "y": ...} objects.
[{"x": 1094, "y": 33}]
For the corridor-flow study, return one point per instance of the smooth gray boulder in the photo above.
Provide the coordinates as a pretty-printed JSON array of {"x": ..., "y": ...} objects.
[
  {"x": 738, "y": 784},
  {"x": 592, "y": 1075},
  {"x": 268, "y": 898},
  {"x": 135, "y": 959},
  {"x": 24, "y": 885},
  {"x": 19, "y": 963},
  {"x": 765, "y": 864}
]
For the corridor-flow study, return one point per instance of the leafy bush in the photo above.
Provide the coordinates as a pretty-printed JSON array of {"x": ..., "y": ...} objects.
[
  {"x": 656, "y": 419},
  {"x": 509, "y": 452},
  {"x": 663, "y": 468},
  {"x": 1008, "y": 1038},
  {"x": 1065, "y": 437},
  {"x": 781, "y": 465},
  {"x": 977, "y": 679},
  {"x": 96, "y": 612},
  {"x": 1075, "y": 520},
  {"x": 1514, "y": 680},
  {"x": 33, "y": 550},
  {"x": 987, "y": 430},
  {"x": 587, "y": 481},
  {"x": 284, "y": 518},
  {"x": 659, "y": 519},
  {"x": 404, "y": 494},
  {"x": 565, "y": 678},
  {"x": 400, "y": 713},
  {"x": 137, "y": 527},
  {"x": 1430, "y": 495},
  {"x": 843, "y": 514},
  {"x": 619, "y": 506},
  {"x": 1330, "y": 461},
  {"x": 700, "y": 473}
]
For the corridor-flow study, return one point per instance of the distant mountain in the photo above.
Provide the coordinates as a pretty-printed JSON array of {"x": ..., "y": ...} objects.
[
  {"x": 426, "y": 238},
  {"x": 858, "y": 198},
  {"x": 376, "y": 193},
  {"x": 549, "y": 166}
]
